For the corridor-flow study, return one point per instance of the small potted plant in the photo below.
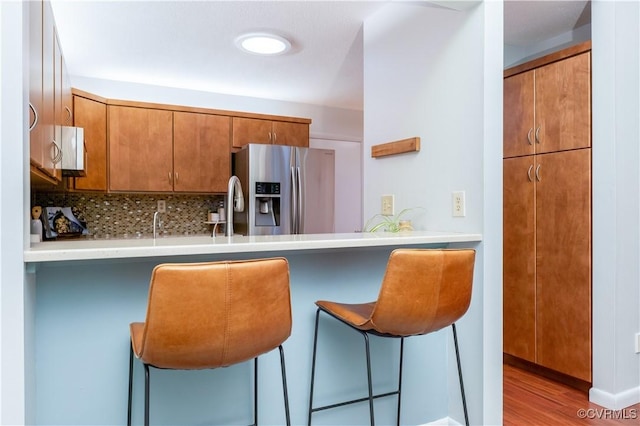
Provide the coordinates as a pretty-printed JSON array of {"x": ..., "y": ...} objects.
[{"x": 394, "y": 223}]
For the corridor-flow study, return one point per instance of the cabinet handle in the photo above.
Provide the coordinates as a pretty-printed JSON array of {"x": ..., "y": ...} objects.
[
  {"x": 275, "y": 136},
  {"x": 538, "y": 135},
  {"x": 538, "y": 173},
  {"x": 35, "y": 117},
  {"x": 269, "y": 135},
  {"x": 57, "y": 153},
  {"x": 70, "y": 115},
  {"x": 529, "y": 173},
  {"x": 176, "y": 177},
  {"x": 529, "y": 136},
  {"x": 170, "y": 180}
]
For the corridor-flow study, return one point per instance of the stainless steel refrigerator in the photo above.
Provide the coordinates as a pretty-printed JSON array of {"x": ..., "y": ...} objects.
[{"x": 287, "y": 190}]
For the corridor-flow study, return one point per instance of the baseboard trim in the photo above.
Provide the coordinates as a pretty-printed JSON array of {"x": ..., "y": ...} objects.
[
  {"x": 445, "y": 421},
  {"x": 616, "y": 401}
]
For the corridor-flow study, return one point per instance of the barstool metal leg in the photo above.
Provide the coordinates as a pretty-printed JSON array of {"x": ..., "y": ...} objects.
[
  {"x": 255, "y": 391},
  {"x": 366, "y": 343},
  {"x": 464, "y": 400},
  {"x": 400, "y": 379},
  {"x": 130, "y": 383},
  {"x": 284, "y": 387},
  {"x": 313, "y": 367},
  {"x": 146, "y": 395}
]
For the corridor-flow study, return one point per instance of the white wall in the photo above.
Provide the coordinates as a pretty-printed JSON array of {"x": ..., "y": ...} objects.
[
  {"x": 514, "y": 55},
  {"x": 616, "y": 202},
  {"x": 437, "y": 74},
  {"x": 14, "y": 288}
]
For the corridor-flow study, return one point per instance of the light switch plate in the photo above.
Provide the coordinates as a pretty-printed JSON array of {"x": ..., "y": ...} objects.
[{"x": 162, "y": 206}]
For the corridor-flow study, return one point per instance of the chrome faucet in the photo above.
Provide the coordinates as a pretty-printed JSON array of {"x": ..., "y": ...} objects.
[
  {"x": 235, "y": 202},
  {"x": 155, "y": 221}
]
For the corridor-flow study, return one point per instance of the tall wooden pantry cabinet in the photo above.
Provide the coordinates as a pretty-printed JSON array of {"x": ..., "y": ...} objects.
[{"x": 547, "y": 214}]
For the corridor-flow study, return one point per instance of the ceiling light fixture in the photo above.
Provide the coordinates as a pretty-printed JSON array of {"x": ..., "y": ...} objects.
[{"x": 263, "y": 44}]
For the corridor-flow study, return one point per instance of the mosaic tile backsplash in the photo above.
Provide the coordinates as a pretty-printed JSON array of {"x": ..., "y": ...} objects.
[{"x": 131, "y": 215}]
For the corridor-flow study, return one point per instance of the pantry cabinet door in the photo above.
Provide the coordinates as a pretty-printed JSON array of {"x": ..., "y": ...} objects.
[
  {"x": 518, "y": 115},
  {"x": 519, "y": 244},
  {"x": 563, "y": 104},
  {"x": 563, "y": 262}
]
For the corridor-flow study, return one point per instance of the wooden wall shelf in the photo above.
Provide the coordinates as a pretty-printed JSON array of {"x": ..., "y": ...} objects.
[{"x": 397, "y": 147}]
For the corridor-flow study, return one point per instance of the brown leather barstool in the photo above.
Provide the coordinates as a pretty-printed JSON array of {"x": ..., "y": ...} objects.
[
  {"x": 423, "y": 290},
  {"x": 213, "y": 314}
]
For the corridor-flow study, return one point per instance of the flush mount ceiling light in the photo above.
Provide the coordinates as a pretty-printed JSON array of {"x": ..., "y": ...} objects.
[{"x": 263, "y": 44}]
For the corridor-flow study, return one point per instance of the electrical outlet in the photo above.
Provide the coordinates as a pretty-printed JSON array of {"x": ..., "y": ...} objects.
[
  {"x": 162, "y": 206},
  {"x": 638, "y": 343},
  {"x": 458, "y": 208},
  {"x": 387, "y": 205}
]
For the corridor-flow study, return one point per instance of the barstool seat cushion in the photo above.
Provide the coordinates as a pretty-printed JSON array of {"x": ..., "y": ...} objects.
[
  {"x": 216, "y": 314},
  {"x": 422, "y": 291}
]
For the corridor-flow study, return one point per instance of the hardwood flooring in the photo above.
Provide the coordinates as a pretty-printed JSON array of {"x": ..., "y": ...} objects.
[{"x": 531, "y": 400}]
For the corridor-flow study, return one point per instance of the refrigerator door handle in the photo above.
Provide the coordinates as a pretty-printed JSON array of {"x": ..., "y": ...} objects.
[
  {"x": 294, "y": 202},
  {"x": 300, "y": 202}
]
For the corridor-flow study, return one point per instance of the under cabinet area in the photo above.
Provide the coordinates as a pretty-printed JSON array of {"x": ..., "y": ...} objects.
[
  {"x": 547, "y": 215},
  {"x": 252, "y": 130}
]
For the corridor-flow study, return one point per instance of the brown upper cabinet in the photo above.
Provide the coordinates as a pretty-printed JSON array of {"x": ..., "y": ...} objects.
[
  {"x": 45, "y": 94},
  {"x": 201, "y": 157},
  {"x": 91, "y": 115},
  {"x": 155, "y": 150},
  {"x": 144, "y": 147},
  {"x": 140, "y": 149},
  {"x": 548, "y": 108},
  {"x": 252, "y": 130}
]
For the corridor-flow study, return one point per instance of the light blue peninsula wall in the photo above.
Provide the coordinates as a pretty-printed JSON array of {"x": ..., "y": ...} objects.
[{"x": 83, "y": 309}]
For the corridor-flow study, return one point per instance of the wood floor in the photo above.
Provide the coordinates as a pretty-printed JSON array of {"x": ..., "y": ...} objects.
[{"x": 534, "y": 400}]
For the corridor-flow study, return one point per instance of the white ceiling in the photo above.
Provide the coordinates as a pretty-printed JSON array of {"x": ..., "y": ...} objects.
[{"x": 190, "y": 44}]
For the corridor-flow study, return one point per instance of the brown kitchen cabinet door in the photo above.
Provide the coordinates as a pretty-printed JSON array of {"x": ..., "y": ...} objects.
[
  {"x": 518, "y": 115},
  {"x": 202, "y": 157},
  {"x": 140, "y": 149},
  {"x": 91, "y": 115},
  {"x": 36, "y": 102},
  {"x": 292, "y": 134},
  {"x": 563, "y": 104},
  {"x": 563, "y": 262},
  {"x": 251, "y": 130},
  {"x": 51, "y": 150},
  {"x": 519, "y": 274}
]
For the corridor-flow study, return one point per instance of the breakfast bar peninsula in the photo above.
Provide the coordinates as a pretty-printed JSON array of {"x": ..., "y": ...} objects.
[{"x": 86, "y": 292}]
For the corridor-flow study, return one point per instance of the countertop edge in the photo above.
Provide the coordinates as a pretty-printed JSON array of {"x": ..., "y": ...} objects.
[{"x": 202, "y": 245}]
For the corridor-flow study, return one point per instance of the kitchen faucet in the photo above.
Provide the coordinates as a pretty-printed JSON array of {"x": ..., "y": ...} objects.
[
  {"x": 155, "y": 221},
  {"x": 235, "y": 202}
]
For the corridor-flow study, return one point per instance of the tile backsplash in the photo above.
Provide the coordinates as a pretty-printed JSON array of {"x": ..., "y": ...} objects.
[{"x": 131, "y": 215}]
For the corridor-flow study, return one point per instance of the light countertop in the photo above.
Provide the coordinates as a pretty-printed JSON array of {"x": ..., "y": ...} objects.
[{"x": 88, "y": 249}]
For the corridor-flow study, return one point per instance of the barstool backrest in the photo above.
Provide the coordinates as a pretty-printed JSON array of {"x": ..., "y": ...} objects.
[
  {"x": 423, "y": 290},
  {"x": 214, "y": 314}
]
